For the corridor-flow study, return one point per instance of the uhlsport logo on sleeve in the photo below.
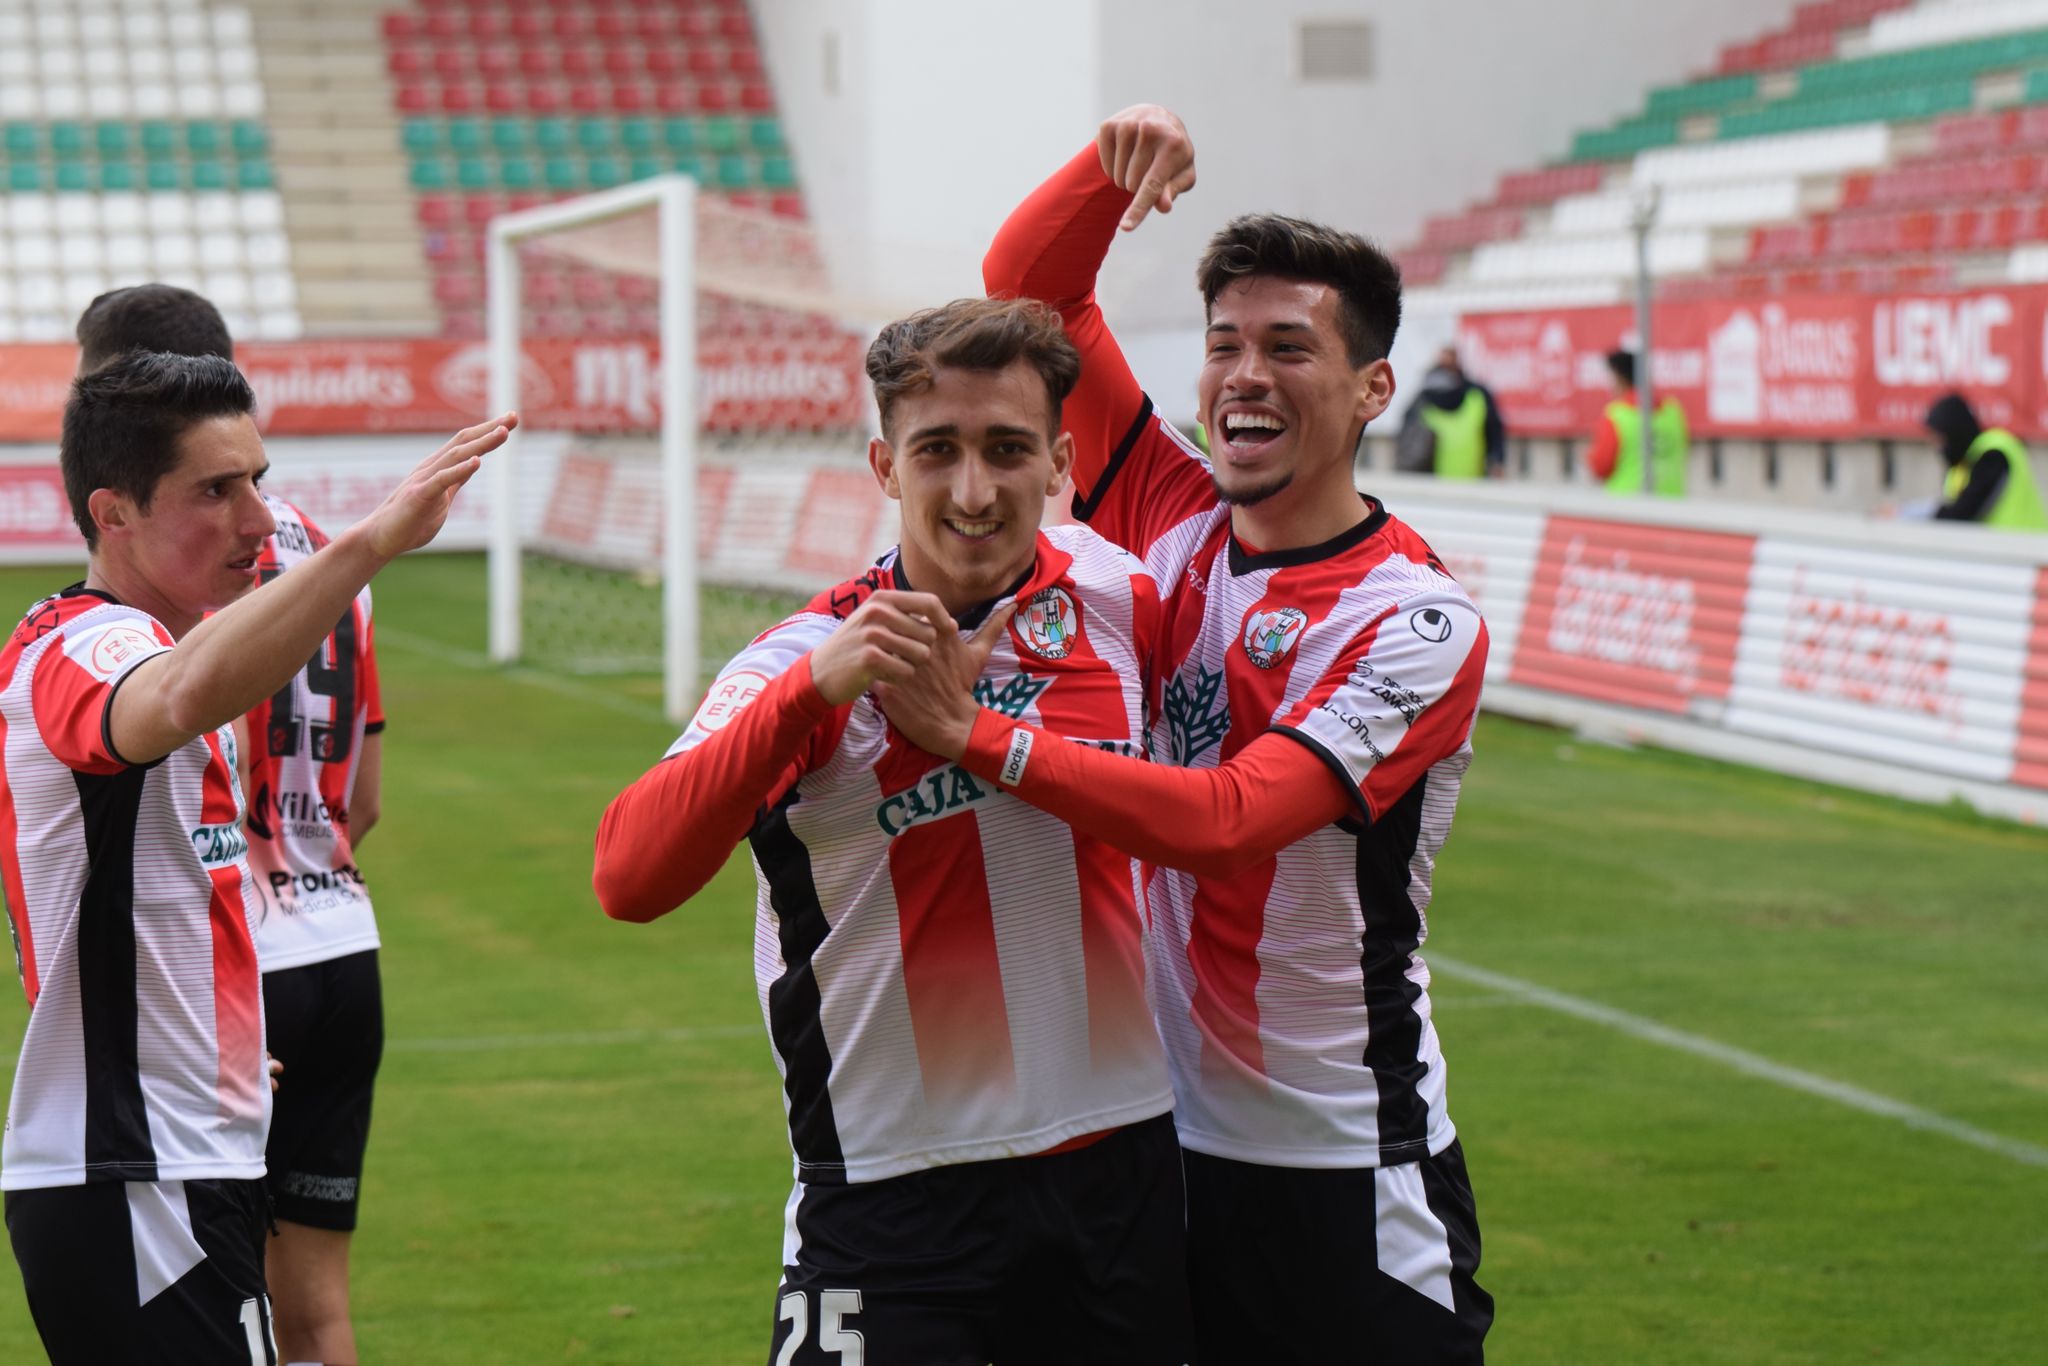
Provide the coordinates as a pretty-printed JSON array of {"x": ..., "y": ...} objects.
[
  {"x": 1049, "y": 624},
  {"x": 1269, "y": 635}
]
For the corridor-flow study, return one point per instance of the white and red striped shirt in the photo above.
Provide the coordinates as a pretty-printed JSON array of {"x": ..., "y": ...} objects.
[
  {"x": 131, "y": 905},
  {"x": 947, "y": 974},
  {"x": 1291, "y": 996},
  {"x": 305, "y": 745}
]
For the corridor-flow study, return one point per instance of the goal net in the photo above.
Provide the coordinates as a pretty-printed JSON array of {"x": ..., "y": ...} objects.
[{"x": 692, "y": 471}]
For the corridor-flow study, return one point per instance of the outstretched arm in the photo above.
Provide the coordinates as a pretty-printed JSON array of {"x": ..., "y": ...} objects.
[{"x": 248, "y": 650}]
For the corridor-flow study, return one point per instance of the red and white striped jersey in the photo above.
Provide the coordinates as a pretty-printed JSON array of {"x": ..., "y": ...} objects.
[
  {"x": 305, "y": 744},
  {"x": 1291, "y": 997},
  {"x": 132, "y": 911},
  {"x": 947, "y": 973}
]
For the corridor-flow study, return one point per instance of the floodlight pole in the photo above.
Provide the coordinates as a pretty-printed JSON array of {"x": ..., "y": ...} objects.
[{"x": 1643, "y": 217}]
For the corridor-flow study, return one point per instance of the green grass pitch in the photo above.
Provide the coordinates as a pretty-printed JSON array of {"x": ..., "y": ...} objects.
[{"x": 578, "y": 1151}]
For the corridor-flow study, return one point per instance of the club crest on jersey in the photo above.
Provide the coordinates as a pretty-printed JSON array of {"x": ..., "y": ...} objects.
[
  {"x": 1269, "y": 635},
  {"x": 1049, "y": 624}
]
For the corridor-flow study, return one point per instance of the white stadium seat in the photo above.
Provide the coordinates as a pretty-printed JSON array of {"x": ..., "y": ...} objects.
[
  {"x": 29, "y": 212},
  {"x": 266, "y": 250},
  {"x": 127, "y": 252},
  {"x": 77, "y": 214},
  {"x": 242, "y": 100},
  {"x": 262, "y": 210},
  {"x": 121, "y": 211},
  {"x": 215, "y": 211},
  {"x": 227, "y": 289},
  {"x": 174, "y": 251},
  {"x": 168, "y": 212},
  {"x": 1925, "y": 25}
]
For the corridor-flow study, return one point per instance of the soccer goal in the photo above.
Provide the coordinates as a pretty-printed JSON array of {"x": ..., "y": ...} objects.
[{"x": 682, "y": 474}]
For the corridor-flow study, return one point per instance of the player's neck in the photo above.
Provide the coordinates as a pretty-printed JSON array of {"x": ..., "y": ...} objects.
[
  {"x": 962, "y": 600},
  {"x": 1305, "y": 513},
  {"x": 120, "y": 581}
]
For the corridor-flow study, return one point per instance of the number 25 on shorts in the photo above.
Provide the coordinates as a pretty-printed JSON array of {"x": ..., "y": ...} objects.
[{"x": 834, "y": 1308}]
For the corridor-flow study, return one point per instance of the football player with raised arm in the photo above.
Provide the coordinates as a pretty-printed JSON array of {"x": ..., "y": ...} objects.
[
  {"x": 953, "y": 981},
  {"x": 133, "y": 1160},
  {"x": 312, "y": 765},
  {"x": 1320, "y": 673}
]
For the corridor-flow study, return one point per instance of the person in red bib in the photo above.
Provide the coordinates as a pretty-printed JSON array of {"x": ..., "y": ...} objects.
[
  {"x": 133, "y": 1159},
  {"x": 953, "y": 981},
  {"x": 1319, "y": 673}
]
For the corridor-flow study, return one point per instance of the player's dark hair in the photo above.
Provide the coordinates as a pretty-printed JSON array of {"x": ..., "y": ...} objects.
[
  {"x": 154, "y": 317},
  {"x": 1622, "y": 365},
  {"x": 123, "y": 421},
  {"x": 972, "y": 334},
  {"x": 1366, "y": 280}
]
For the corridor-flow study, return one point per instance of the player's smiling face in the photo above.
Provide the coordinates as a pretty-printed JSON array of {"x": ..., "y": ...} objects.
[
  {"x": 972, "y": 459},
  {"x": 1280, "y": 398},
  {"x": 194, "y": 549}
]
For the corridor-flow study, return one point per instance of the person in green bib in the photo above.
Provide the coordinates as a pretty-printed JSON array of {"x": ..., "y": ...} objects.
[
  {"x": 1616, "y": 458},
  {"x": 1454, "y": 429},
  {"x": 1989, "y": 479}
]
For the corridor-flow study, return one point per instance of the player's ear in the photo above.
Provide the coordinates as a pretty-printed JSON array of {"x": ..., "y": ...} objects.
[
  {"x": 1062, "y": 463},
  {"x": 1375, "y": 389},
  {"x": 109, "y": 510},
  {"x": 882, "y": 460}
]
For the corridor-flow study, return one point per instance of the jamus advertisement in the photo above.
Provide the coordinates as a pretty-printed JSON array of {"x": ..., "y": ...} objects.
[{"x": 1821, "y": 367}]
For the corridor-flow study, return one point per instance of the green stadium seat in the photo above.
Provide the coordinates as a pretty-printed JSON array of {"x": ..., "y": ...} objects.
[
  {"x": 67, "y": 139},
  {"x": 552, "y": 135},
  {"x": 117, "y": 175},
  {"x": 510, "y": 136},
  {"x": 158, "y": 139},
  {"x": 163, "y": 175},
  {"x": 517, "y": 173},
  {"x": 777, "y": 173},
  {"x": 562, "y": 174},
  {"x": 720, "y": 135},
  {"x": 111, "y": 139},
  {"x": 766, "y": 135},
  {"x": 691, "y": 166},
  {"x": 421, "y": 137},
  {"x": 603, "y": 173},
  {"x": 24, "y": 177},
  {"x": 636, "y": 136},
  {"x": 72, "y": 175},
  {"x": 735, "y": 172},
  {"x": 249, "y": 138},
  {"x": 594, "y": 135},
  {"x": 644, "y": 168},
  {"x": 428, "y": 173},
  {"x": 474, "y": 175},
  {"x": 209, "y": 175},
  {"x": 254, "y": 175},
  {"x": 465, "y": 137},
  {"x": 24, "y": 141},
  {"x": 202, "y": 139},
  {"x": 680, "y": 134}
]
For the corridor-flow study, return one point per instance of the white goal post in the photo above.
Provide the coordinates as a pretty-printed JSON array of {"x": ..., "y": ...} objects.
[{"x": 673, "y": 201}]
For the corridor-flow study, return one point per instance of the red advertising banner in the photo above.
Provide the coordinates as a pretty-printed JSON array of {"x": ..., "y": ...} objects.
[
  {"x": 2030, "y": 752},
  {"x": 34, "y": 514},
  {"x": 1644, "y": 616},
  {"x": 1817, "y": 367},
  {"x": 322, "y": 388}
]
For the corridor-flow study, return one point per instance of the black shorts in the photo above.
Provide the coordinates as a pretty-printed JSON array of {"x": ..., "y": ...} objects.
[
  {"x": 1360, "y": 1265},
  {"x": 325, "y": 1023},
  {"x": 1071, "y": 1259},
  {"x": 142, "y": 1271}
]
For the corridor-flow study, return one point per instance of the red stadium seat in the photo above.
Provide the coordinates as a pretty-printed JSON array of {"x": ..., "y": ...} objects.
[
  {"x": 695, "y": 28},
  {"x": 541, "y": 288},
  {"x": 436, "y": 210},
  {"x": 569, "y": 26},
  {"x": 638, "y": 289},
  {"x": 613, "y": 27},
  {"x": 451, "y": 63},
  {"x": 757, "y": 98},
  {"x": 622, "y": 63},
  {"x": 664, "y": 63},
  {"x": 787, "y": 205},
  {"x": 504, "y": 97},
  {"x": 531, "y": 27},
  {"x": 544, "y": 97},
  {"x": 737, "y": 27},
  {"x": 525, "y": 199},
  {"x": 444, "y": 26},
  {"x": 407, "y": 63},
  {"x": 704, "y": 63},
  {"x": 414, "y": 98},
  {"x": 588, "y": 97},
  {"x": 497, "y": 63},
  {"x": 536, "y": 63},
  {"x": 714, "y": 99},
  {"x": 401, "y": 27},
  {"x": 744, "y": 62},
  {"x": 487, "y": 26},
  {"x": 458, "y": 291},
  {"x": 630, "y": 97},
  {"x": 653, "y": 26},
  {"x": 479, "y": 209},
  {"x": 581, "y": 63},
  {"x": 674, "y": 97},
  {"x": 458, "y": 98}
]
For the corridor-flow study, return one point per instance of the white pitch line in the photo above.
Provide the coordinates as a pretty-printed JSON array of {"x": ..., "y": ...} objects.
[
  {"x": 520, "y": 673},
  {"x": 505, "y": 1043},
  {"x": 1744, "y": 1061}
]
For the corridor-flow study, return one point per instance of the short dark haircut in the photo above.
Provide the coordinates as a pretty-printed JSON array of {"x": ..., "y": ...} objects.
[
  {"x": 151, "y": 317},
  {"x": 1622, "y": 364},
  {"x": 1366, "y": 280},
  {"x": 972, "y": 334},
  {"x": 122, "y": 423}
]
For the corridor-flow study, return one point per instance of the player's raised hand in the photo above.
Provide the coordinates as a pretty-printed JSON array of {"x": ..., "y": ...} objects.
[
  {"x": 1146, "y": 150},
  {"x": 413, "y": 513},
  {"x": 884, "y": 641},
  {"x": 935, "y": 707}
]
